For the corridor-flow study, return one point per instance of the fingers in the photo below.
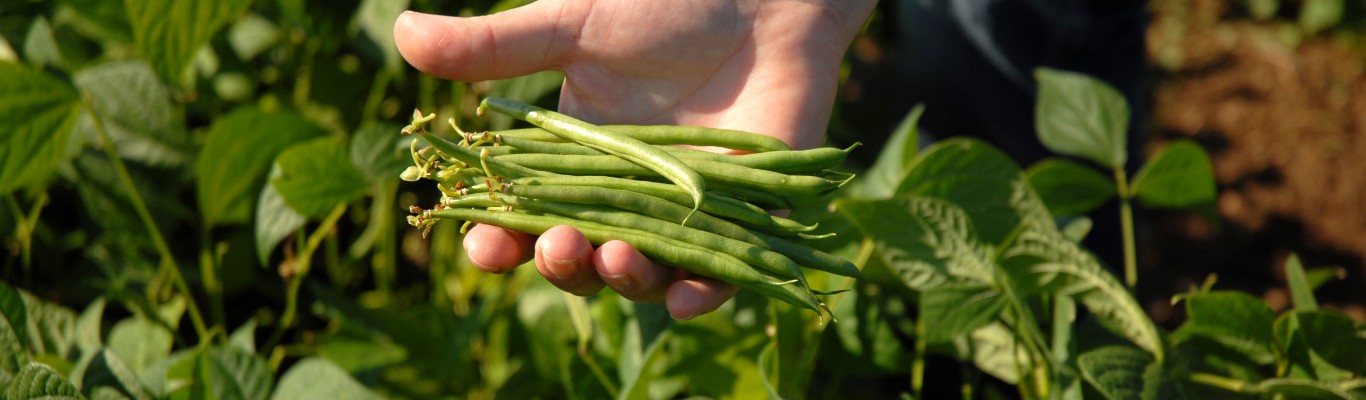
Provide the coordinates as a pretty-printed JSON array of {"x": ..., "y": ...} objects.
[
  {"x": 693, "y": 296},
  {"x": 565, "y": 258},
  {"x": 630, "y": 273},
  {"x": 496, "y": 250},
  {"x": 635, "y": 277},
  {"x": 512, "y": 43}
]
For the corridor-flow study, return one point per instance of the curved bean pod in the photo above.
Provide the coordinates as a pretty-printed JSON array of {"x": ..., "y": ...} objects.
[{"x": 635, "y": 151}]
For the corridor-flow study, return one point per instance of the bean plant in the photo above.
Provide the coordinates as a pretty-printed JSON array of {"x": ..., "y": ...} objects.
[{"x": 202, "y": 199}]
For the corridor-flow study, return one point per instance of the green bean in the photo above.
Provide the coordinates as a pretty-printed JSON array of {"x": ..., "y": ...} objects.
[
  {"x": 535, "y": 146},
  {"x": 770, "y": 261},
  {"x": 680, "y": 254},
  {"x": 721, "y": 206},
  {"x": 712, "y": 171},
  {"x": 472, "y": 158},
  {"x": 788, "y": 161},
  {"x": 590, "y": 135},
  {"x": 670, "y": 135},
  {"x": 808, "y": 161},
  {"x": 662, "y": 209}
]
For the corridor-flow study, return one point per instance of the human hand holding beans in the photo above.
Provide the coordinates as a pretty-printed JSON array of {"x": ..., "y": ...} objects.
[{"x": 761, "y": 66}]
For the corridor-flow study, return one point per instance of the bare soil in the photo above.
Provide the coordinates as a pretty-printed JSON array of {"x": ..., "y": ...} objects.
[{"x": 1283, "y": 115}]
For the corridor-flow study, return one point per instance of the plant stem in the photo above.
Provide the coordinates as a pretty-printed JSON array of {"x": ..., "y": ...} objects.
[
  {"x": 167, "y": 259},
  {"x": 23, "y": 229},
  {"x": 300, "y": 271},
  {"x": 1126, "y": 224},
  {"x": 208, "y": 271},
  {"x": 1229, "y": 384},
  {"x": 918, "y": 362},
  {"x": 606, "y": 382}
]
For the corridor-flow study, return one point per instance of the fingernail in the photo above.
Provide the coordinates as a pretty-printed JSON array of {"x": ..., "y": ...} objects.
[
  {"x": 560, "y": 269},
  {"x": 687, "y": 317},
  {"x": 620, "y": 282}
]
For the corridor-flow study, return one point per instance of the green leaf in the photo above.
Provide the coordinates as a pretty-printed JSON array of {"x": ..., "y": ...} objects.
[
  {"x": 137, "y": 111},
  {"x": 98, "y": 20},
  {"x": 244, "y": 337},
  {"x": 1063, "y": 348},
  {"x": 926, "y": 242},
  {"x": 867, "y": 330},
  {"x": 1040, "y": 256},
  {"x": 88, "y": 327},
  {"x": 170, "y": 32},
  {"x": 236, "y": 156},
  {"x": 1069, "y": 188},
  {"x": 994, "y": 349},
  {"x": 1179, "y": 176},
  {"x": 1077, "y": 229},
  {"x": 140, "y": 342},
  {"x": 221, "y": 373},
  {"x": 376, "y": 19},
  {"x": 1307, "y": 389},
  {"x": 6, "y": 52},
  {"x": 316, "y": 176},
  {"x": 274, "y": 220},
  {"x": 52, "y": 328},
  {"x": 40, "y": 46},
  {"x": 107, "y": 369},
  {"x": 1122, "y": 372},
  {"x": 1235, "y": 319},
  {"x": 542, "y": 310},
  {"x": 958, "y": 310},
  {"x": 39, "y": 381},
  {"x": 14, "y": 337},
  {"x": 972, "y": 175},
  {"x": 1318, "y": 15},
  {"x": 317, "y": 378},
  {"x": 380, "y": 152},
  {"x": 36, "y": 116},
  {"x": 892, "y": 163},
  {"x": 1261, "y": 9},
  {"x": 1078, "y": 115},
  {"x": 252, "y": 35},
  {"x": 1301, "y": 294},
  {"x": 1322, "y": 345}
]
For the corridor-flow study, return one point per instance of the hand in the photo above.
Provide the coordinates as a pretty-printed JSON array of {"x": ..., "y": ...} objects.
[{"x": 762, "y": 66}]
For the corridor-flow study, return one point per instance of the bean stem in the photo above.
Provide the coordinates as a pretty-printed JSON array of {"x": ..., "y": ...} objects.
[
  {"x": 299, "y": 271},
  {"x": 24, "y": 224},
  {"x": 167, "y": 262},
  {"x": 1126, "y": 226}
]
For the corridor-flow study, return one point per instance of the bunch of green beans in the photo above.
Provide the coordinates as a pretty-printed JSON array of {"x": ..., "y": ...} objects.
[{"x": 707, "y": 213}]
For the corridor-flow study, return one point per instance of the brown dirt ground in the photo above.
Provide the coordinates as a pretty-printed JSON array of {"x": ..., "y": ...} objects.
[{"x": 1284, "y": 118}]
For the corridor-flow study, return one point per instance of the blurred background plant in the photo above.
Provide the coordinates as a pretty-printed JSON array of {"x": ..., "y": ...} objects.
[{"x": 173, "y": 172}]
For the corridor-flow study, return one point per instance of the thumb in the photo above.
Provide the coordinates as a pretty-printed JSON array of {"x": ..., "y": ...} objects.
[{"x": 512, "y": 43}]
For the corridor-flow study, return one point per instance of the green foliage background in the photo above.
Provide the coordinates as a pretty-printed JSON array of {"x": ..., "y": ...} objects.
[{"x": 201, "y": 201}]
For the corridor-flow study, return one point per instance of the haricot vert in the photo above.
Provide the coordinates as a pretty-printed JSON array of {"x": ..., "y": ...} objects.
[
  {"x": 599, "y": 139},
  {"x": 707, "y": 213}
]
